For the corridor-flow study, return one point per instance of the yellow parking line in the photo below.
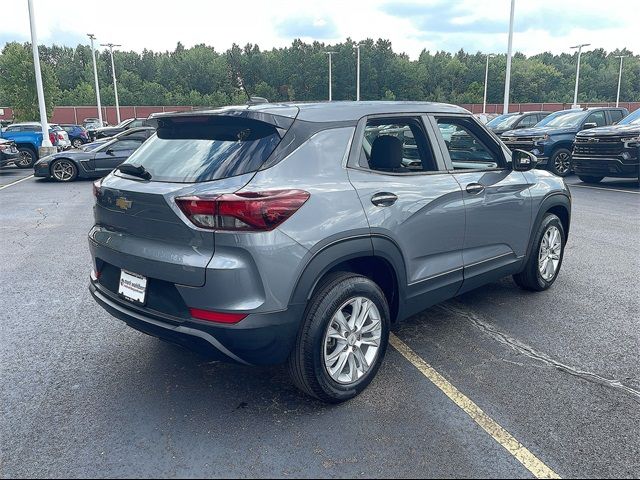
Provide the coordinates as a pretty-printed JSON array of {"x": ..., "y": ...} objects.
[
  {"x": 499, "y": 434},
  {"x": 17, "y": 181}
]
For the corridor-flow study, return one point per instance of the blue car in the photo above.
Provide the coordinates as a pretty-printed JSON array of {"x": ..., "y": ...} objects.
[
  {"x": 78, "y": 135},
  {"x": 552, "y": 139}
]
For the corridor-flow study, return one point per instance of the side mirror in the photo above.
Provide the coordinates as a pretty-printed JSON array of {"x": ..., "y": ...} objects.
[
  {"x": 110, "y": 152},
  {"x": 589, "y": 125},
  {"x": 523, "y": 161}
]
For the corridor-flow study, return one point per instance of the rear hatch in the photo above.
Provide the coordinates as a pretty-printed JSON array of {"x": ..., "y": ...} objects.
[{"x": 138, "y": 224}]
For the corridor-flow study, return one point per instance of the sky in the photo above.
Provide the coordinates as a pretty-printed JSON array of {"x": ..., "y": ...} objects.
[{"x": 411, "y": 25}]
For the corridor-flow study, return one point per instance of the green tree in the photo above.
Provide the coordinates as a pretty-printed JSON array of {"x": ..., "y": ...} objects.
[{"x": 18, "y": 82}]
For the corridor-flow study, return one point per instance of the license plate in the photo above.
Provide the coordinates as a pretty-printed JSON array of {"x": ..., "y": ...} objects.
[{"x": 132, "y": 286}]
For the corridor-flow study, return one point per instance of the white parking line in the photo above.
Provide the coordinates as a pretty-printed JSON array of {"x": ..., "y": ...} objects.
[
  {"x": 17, "y": 181},
  {"x": 499, "y": 434},
  {"x": 602, "y": 188}
]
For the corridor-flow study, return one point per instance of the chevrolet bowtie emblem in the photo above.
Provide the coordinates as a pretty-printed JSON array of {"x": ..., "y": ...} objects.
[{"x": 123, "y": 203}]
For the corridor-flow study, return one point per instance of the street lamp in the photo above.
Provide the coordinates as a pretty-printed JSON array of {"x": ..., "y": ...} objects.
[
  {"x": 46, "y": 142},
  {"x": 95, "y": 75},
  {"x": 507, "y": 82},
  {"x": 486, "y": 79},
  {"x": 357, "y": 47},
  {"x": 113, "y": 70},
  {"x": 619, "y": 79},
  {"x": 329, "y": 55},
  {"x": 575, "y": 95}
]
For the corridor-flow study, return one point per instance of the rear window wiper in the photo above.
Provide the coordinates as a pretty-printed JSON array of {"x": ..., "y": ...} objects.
[{"x": 136, "y": 171}]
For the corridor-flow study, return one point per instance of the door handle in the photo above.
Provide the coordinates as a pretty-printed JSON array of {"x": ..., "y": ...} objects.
[
  {"x": 475, "y": 188},
  {"x": 384, "y": 199}
]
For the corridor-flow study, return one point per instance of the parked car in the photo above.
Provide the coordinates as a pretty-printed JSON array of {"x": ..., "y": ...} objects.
[
  {"x": 64, "y": 142},
  {"x": 268, "y": 234},
  {"x": 28, "y": 139},
  {"x": 71, "y": 164},
  {"x": 121, "y": 127},
  {"x": 92, "y": 123},
  {"x": 609, "y": 151},
  {"x": 552, "y": 139},
  {"x": 78, "y": 135},
  {"x": 516, "y": 121},
  {"x": 8, "y": 152},
  {"x": 140, "y": 132}
]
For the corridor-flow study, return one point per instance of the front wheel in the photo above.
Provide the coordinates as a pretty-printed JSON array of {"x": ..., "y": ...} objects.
[
  {"x": 590, "y": 179},
  {"x": 343, "y": 338},
  {"x": 543, "y": 266},
  {"x": 560, "y": 162},
  {"x": 64, "y": 170}
]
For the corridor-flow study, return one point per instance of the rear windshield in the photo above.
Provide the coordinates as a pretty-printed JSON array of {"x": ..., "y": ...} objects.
[{"x": 202, "y": 149}]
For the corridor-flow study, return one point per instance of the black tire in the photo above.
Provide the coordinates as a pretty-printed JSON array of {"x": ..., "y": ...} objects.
[
  {"x": 560, "y": 162},
  {"x": 76, "y": 143},
  {"x": 70, "y": 170},
  {"x": 306, "y": 362},
  {"x": 27, "y": 156},
  {"x": 530, "y": 277},
  {"x": 590, "y": 179}
]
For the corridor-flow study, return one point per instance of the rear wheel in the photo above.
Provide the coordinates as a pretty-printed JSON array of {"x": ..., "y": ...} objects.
[
  {"x": 343, "y": 339},
  {"x": 560, "y": 162},
  {"x": 26, "y": 157},
  {"x": 590, "y": 179},
  {"x": 76, "y": 143},
  {"x": 545, "y": 259},
  {"x": 64, "y": 170}
]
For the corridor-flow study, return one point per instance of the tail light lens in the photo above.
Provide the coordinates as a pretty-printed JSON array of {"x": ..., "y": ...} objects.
[
  {"x": 52, "y": 138},
  {"x": 60, "y": 136},
  {"x": 246, "y": 211}
]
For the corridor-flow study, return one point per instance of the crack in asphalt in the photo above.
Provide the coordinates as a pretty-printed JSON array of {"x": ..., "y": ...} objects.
[{"x": 532, "y": 353}]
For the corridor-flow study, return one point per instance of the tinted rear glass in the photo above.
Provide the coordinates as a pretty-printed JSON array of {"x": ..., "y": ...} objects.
[{"x": 206, "y": 148}]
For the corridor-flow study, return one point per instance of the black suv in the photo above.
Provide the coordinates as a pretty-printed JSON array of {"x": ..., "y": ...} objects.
[
  {"x": 552, "y": 139},
  {"x": 515, "y": 121},
  {"x": 609, "y": 151}
]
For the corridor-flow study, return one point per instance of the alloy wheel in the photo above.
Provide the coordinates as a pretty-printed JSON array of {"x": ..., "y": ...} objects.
[
  {"x": 25, "y": 158},
  {"x": 562, "y": 163},
  {"x": 63, "y": 170},
  {"x": 77, "y": 143},
  {"x": 352, "y": 341},
  {"x": 549, "y": 255}
]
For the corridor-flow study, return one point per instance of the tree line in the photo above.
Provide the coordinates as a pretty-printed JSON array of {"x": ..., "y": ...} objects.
[{"x": 203, "y": 76}]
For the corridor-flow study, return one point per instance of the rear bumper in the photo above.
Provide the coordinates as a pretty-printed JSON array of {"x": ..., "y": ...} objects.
[
  {"x": 259, "y": 339},
  {"x": 605, "y": 167}
]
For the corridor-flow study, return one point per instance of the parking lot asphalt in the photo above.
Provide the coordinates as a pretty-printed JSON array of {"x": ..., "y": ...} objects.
[{"x": 83, "y": 395}]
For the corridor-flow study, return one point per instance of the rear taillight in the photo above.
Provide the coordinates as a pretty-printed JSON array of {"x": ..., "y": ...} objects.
[
  {"x": 245, "y": 211},
  {"x": 52, "y": 138},
  {"x": 60, "y": 136}
]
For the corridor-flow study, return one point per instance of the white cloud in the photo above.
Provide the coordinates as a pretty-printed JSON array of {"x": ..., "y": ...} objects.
[{"x": 160, "y": 25}]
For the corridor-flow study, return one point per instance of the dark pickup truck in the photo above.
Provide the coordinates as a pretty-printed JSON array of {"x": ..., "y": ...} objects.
[
  {"x": 552, "y": 139},
  {"x": 609, "y": 151}
]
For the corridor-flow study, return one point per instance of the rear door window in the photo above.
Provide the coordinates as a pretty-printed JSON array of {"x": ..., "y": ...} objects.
[
  {"x": 201, "y": 149},
  {"x": 616, "y": 115}
]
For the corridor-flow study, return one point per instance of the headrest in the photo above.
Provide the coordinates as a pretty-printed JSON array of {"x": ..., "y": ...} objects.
[{"x": 386, "y": 153}]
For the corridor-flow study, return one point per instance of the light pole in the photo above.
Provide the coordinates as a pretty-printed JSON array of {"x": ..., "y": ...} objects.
[
  {"x": 619, "y": 78},
  {"x": 486, "y": 79},
  {"x": 507, "y": 82},
  {"x": 329, "y": 55},
  {"x": 113, "y": 70},
  {"x": 46, "y": 142},
  {"x": 95, "y": 75},
  {"x": 575, "y": 95},
  {"x": 357, "y": 47}
]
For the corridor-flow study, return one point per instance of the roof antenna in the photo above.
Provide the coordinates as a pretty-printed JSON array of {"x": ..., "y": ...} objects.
[{"x": 237, "y": 78}]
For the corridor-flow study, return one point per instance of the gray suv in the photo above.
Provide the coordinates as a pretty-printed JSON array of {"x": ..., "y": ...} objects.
[{"x": 301, "y": 233}]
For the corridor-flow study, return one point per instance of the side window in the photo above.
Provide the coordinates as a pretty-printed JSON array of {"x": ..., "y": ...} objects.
[
  {"x": 396, "y": 145},
  {"x": 528, "y": 121},
  {"x": 616, "y": 115},
  {"x": 470, "y": 148},
  {"x": 136, "y": 123},
  {"x": 128, "y": 144},
  {"x": 598, "y": 118}
]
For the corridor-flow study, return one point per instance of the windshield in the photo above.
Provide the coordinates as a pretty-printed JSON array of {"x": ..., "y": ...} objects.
[
  {"x": 506, "y": 123},
  {"x": 631, "y": 119},
  {"x": 124, "y": 123},
  {"x": 200, "y": 150},
  {"x": 551, "y": 120},
  {"x": 496, "y": 121}
]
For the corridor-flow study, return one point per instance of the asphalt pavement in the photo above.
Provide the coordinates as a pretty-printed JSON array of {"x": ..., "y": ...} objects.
[{"x": 83, "y": 395}]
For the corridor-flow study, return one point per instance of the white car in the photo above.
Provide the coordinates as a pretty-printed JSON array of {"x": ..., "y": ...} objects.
[{"x": 63, "y": 137}]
